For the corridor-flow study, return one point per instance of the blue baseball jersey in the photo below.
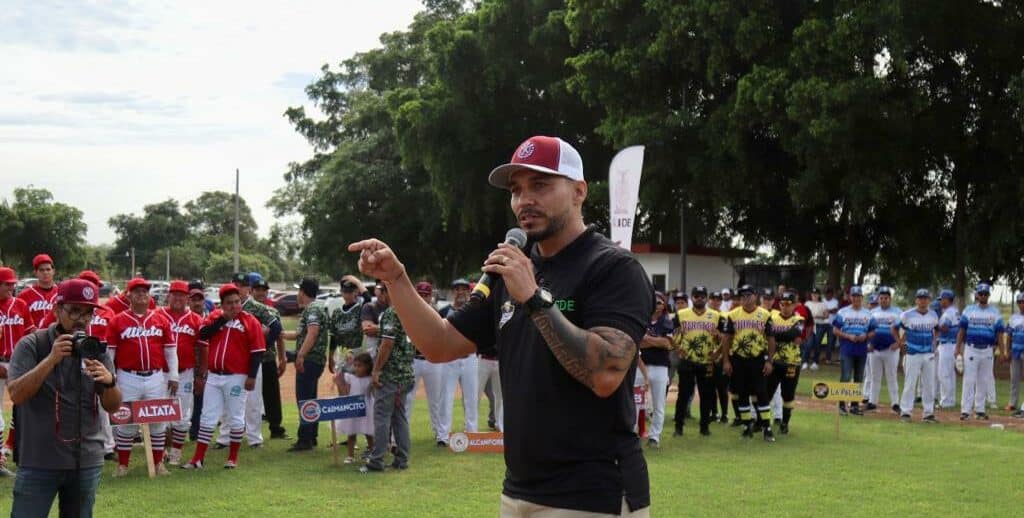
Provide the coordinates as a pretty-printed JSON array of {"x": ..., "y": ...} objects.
[
  {"x": 854, "y": 322},
  {"x": 981, "y": 325},
  {"x": 885, "y": 318},
  {"x": 1016, "y": 330},
  {"x": 918, "y": 330},
  {"x": 950, "y": 319}
]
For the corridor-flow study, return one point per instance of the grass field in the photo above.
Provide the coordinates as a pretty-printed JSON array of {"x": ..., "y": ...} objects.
[{"x": 877, "y": 467}]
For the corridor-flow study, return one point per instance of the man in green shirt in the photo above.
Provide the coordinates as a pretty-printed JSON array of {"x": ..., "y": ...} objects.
[
  {"x": 392, "y": 381},
  {"x": 310, "y": 354}
]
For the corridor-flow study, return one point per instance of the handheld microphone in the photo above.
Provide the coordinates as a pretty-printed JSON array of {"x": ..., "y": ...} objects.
[{"x": 515, "y": 236}]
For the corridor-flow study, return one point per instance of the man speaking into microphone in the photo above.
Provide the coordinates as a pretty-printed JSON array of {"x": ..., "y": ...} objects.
[{"x": 564, "y": 318}]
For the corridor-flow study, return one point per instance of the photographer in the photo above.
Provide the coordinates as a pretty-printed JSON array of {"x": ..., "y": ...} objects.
[{"x": 60, "y": 446}]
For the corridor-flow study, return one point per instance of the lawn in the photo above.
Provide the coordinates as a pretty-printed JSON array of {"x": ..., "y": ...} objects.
[{"x": 876, "y": 467}]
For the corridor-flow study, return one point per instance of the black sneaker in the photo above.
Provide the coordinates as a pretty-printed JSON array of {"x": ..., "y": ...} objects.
[
  {"x": 757, "y": 426},
  {"x": 300, "y": 446},
  {"x": 736, "y": 422},
  {"x": 1018, "y": 414},
  {"x": 981, "y": 416},
  {"x": 896, "y": 408},
  {"x": 748, "y": 432},
  {"x": 768, "y": 435},
  {"x": 280, "y": 435},
  {"x": 442, "y": 444},
  {"x": 396, "y": 465},
  {"x": 905, "y": 418},
  {"x": 855, "y": 410},
  {"x": 704, "y": 430},
  {"x": 842, "y": 410},
  {"x": 653, "y": 443},
  {"x": 678, "y": 432},
  {"x": 109, "y": 456},
  {"x": 930, "y": 419},
  {"x": 870, "y": 407},
  {"x": 784, "y": 428},
  {"x": 219, "y": 446},
  {"x": 964, "y": 417},
  {"x": 724, "y": 419},
  {"x": 777, "y": 422}
]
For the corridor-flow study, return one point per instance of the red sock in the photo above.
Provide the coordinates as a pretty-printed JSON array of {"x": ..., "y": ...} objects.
[
  {"x": 233, "y": 452},
  {"x": 200, "y": 452},
  {"x": 158, "y": 456},
  {"x": 9, "y": 444},
  {"x": 123, "y": 456},
  {"x": 177, "y": 445}
]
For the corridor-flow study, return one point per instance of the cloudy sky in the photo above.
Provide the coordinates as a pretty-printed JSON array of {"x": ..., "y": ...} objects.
[{"x": 113, "y": 105}]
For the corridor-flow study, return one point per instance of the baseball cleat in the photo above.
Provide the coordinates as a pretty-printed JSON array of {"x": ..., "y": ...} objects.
[
  {"x": 173, "y": 457},
  {"x": 964, "y": 417},
  {"x": 121, "y": 471},
  {"x": 981, "y": 416},
  {"x": 230, "y": 464},
  {"x": 193, "y": 465},
  {"x": 896, "y": 408},
  {"x": 870, "y": 407},
  {"x": 768, "y": 435},
  {"x": 905, "y": 418},
  {"x": 748, "y": 432},
  {"x": 784, "y": 428},
  {"x": 930, "y": 419},
  {"x": 161, "y": 469},
  {"x": 1018, "y": 414}
]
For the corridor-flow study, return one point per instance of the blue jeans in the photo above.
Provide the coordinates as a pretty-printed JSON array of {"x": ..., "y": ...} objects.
[
  {"x": 35, "y": 488},
  {"x": 812, "y": 347},
  {"x": 305, "y": 388}
]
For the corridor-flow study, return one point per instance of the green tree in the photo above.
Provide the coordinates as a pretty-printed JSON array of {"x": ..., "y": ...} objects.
[
  {"x": 213, "y": 214},
  {"x": 161, "y": 224},
  {"x": 31, "y": 222},
  {"x": 220, "y": 266}
]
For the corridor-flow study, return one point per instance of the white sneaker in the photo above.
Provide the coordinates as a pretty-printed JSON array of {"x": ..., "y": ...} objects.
[
  {"x": 804, "y": 366},
  {"x": 814, "y": 366},
  {"x": 122, "y": 471},
  {"x": 161, "y": 470},
  {"x": 173, "y": 457},
  {"x": 193, "y": 465}
]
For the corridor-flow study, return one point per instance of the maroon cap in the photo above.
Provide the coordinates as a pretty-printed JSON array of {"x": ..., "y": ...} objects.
[
  {"x": 549, "y": 155},
  {"x": 196, "y": 291},
  {"x": 178, "y": 286},
  {"x": 76, "y": 291},
  {"x": 8, "y": 275},
  {"x": 424, "y": 288},
  {"x": 137, "y": 282},
  {"x": 90, "y": 276},
  {"x": 41, "y": 259},
  {"x": 227, "y": 289}
]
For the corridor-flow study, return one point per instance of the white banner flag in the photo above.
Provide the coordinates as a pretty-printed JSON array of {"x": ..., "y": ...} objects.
[{"x": 624, "y": 193}]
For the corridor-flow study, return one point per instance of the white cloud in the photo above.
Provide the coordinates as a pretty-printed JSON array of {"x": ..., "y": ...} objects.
[{"x": 115, "y": 105}]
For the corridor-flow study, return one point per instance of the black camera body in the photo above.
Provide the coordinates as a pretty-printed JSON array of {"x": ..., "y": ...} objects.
[{"x": 88, "y": 347}]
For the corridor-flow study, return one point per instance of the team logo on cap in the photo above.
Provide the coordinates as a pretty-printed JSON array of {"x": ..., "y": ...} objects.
[
  {"x": 87, "y": 293},
  {"x": 526, "y": 150}
]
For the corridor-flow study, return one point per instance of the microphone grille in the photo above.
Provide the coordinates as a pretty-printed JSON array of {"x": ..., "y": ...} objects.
[{"x": 516, "y": 236}]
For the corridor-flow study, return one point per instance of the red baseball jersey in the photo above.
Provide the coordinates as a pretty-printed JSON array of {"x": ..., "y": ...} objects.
[
  {"x": 97, "y": 327},
  {"x": 120, "y": 303},
  {"x": 231, "y": 346},
  {"x": 15, "y": 322},
  {"x": 139, "y": 341},
  {"x": 39, "y": 302},
  {"x": 185, "y": 330}
]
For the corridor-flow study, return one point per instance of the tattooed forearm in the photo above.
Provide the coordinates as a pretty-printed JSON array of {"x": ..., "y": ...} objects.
[{"x": 597, "y": 358}]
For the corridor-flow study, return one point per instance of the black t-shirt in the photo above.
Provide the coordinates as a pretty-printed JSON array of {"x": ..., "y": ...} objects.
[
  {"x": 658, "y": 355},
  {"x": 566, "y": 447}
]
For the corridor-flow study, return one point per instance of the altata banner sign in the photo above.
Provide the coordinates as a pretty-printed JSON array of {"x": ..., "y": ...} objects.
[
  {"x": 624, "y": 193},
  {"x": 347, "y": 407},
  {"x": 148, "y": 411}
]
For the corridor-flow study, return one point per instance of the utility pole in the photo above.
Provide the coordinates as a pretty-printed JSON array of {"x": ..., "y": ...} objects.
[
  {"x": 236, "y": 219},
  {"x": 131, "y": 274},
  {"x": 167, "y": 274}
]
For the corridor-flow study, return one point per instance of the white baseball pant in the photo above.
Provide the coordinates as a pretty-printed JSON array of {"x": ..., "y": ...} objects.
[
  {"x": 433, "y": 383},
  {"x": 1016, "y": 370},
  {"x": 659, "y": 380},
  {"x": 488, "y": 371},
  {"x": 3, "y": 385},
  {"x": 224, "y": 394},
  {"x": 140, "y": 388},
  {"x": 946, "y": 375},
  {"x": 977, "y": 372},
  {"x": 253, "y": 415},
  {"x": 464, "y": 373},
  {"x": 867, "y": 376},
  {"x": 186, "y": 389},
  {"x": 919, "y": 368},
  {"x": 885, "y": 363}
]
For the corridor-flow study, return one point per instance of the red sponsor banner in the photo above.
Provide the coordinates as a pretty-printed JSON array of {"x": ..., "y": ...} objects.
[
  {"x": 477, "y": 442},
  {"x": 148, "y": 411}
]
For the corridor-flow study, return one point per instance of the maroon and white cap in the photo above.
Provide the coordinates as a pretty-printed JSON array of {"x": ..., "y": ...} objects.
[
  {"x": 550, "y": 155},
  {"x": 76, "y": 291}
]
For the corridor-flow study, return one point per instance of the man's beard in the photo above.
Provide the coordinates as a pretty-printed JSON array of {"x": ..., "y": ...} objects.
[{"x": 555, "y": 225}]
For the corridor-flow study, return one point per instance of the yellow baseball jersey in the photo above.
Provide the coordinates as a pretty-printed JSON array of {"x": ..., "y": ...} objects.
[
  {"x": 786, "y": 331},
  {"x": 696, "y": 339},
  {"x": 750, "y": 331}
]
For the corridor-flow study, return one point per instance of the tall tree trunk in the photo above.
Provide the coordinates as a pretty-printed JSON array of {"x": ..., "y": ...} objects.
[{"x": 960, "y": 187}]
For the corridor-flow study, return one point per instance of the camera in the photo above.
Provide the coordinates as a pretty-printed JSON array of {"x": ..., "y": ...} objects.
[{"x": 88, "y": 347}]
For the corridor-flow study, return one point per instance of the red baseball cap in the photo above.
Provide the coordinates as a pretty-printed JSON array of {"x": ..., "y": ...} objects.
[
  {"x": 90, "y": 276},
  {"x": 424, "y": 288},
  {"x": 76, "y": 291},
  {"x": 41, "y": 259},
  {"x": 178, "y": 286},
  {"x": 550, "y": 155},
  {"x": 137, "y": 282},
  {"x": 8, "y": 275},
  {"x": 227, "y": 289}
]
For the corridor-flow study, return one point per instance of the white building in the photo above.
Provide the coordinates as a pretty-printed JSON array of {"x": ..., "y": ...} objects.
[{"x": 710, "y": 267}]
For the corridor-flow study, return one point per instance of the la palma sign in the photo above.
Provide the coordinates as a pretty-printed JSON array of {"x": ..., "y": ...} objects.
[{"x": 148, "y": 411}]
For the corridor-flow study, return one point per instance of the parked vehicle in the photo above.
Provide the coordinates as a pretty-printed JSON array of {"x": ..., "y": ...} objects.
[{"x": 287, "y": 303}]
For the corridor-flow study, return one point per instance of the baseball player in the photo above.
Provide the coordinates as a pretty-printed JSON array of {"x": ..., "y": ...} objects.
[
  {"x": 981, "y": 329},
  {"x": 697, "y": 335},
  {"x": 949, "y": 327},
  {"x": 463, "y": 372},
  {"x": 185, "y": 326},
  {"x": 853, "y": 327},
  {"x": 1015, "y": 339},
  {"x": 884, "y": 351},
  {"x": 270, "y": 322},
  {"x": 747, "y": 349},
  {"x": 920, "y": 334},
  {"x": 142, "y": 348},
  {"x": 15, "y": 322},
  {"x": 787, "y": 326},
  {"x": 433, "y": 376},
  {"x": 236, "y": 346},
  {"x": 39, "y": 298}
]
